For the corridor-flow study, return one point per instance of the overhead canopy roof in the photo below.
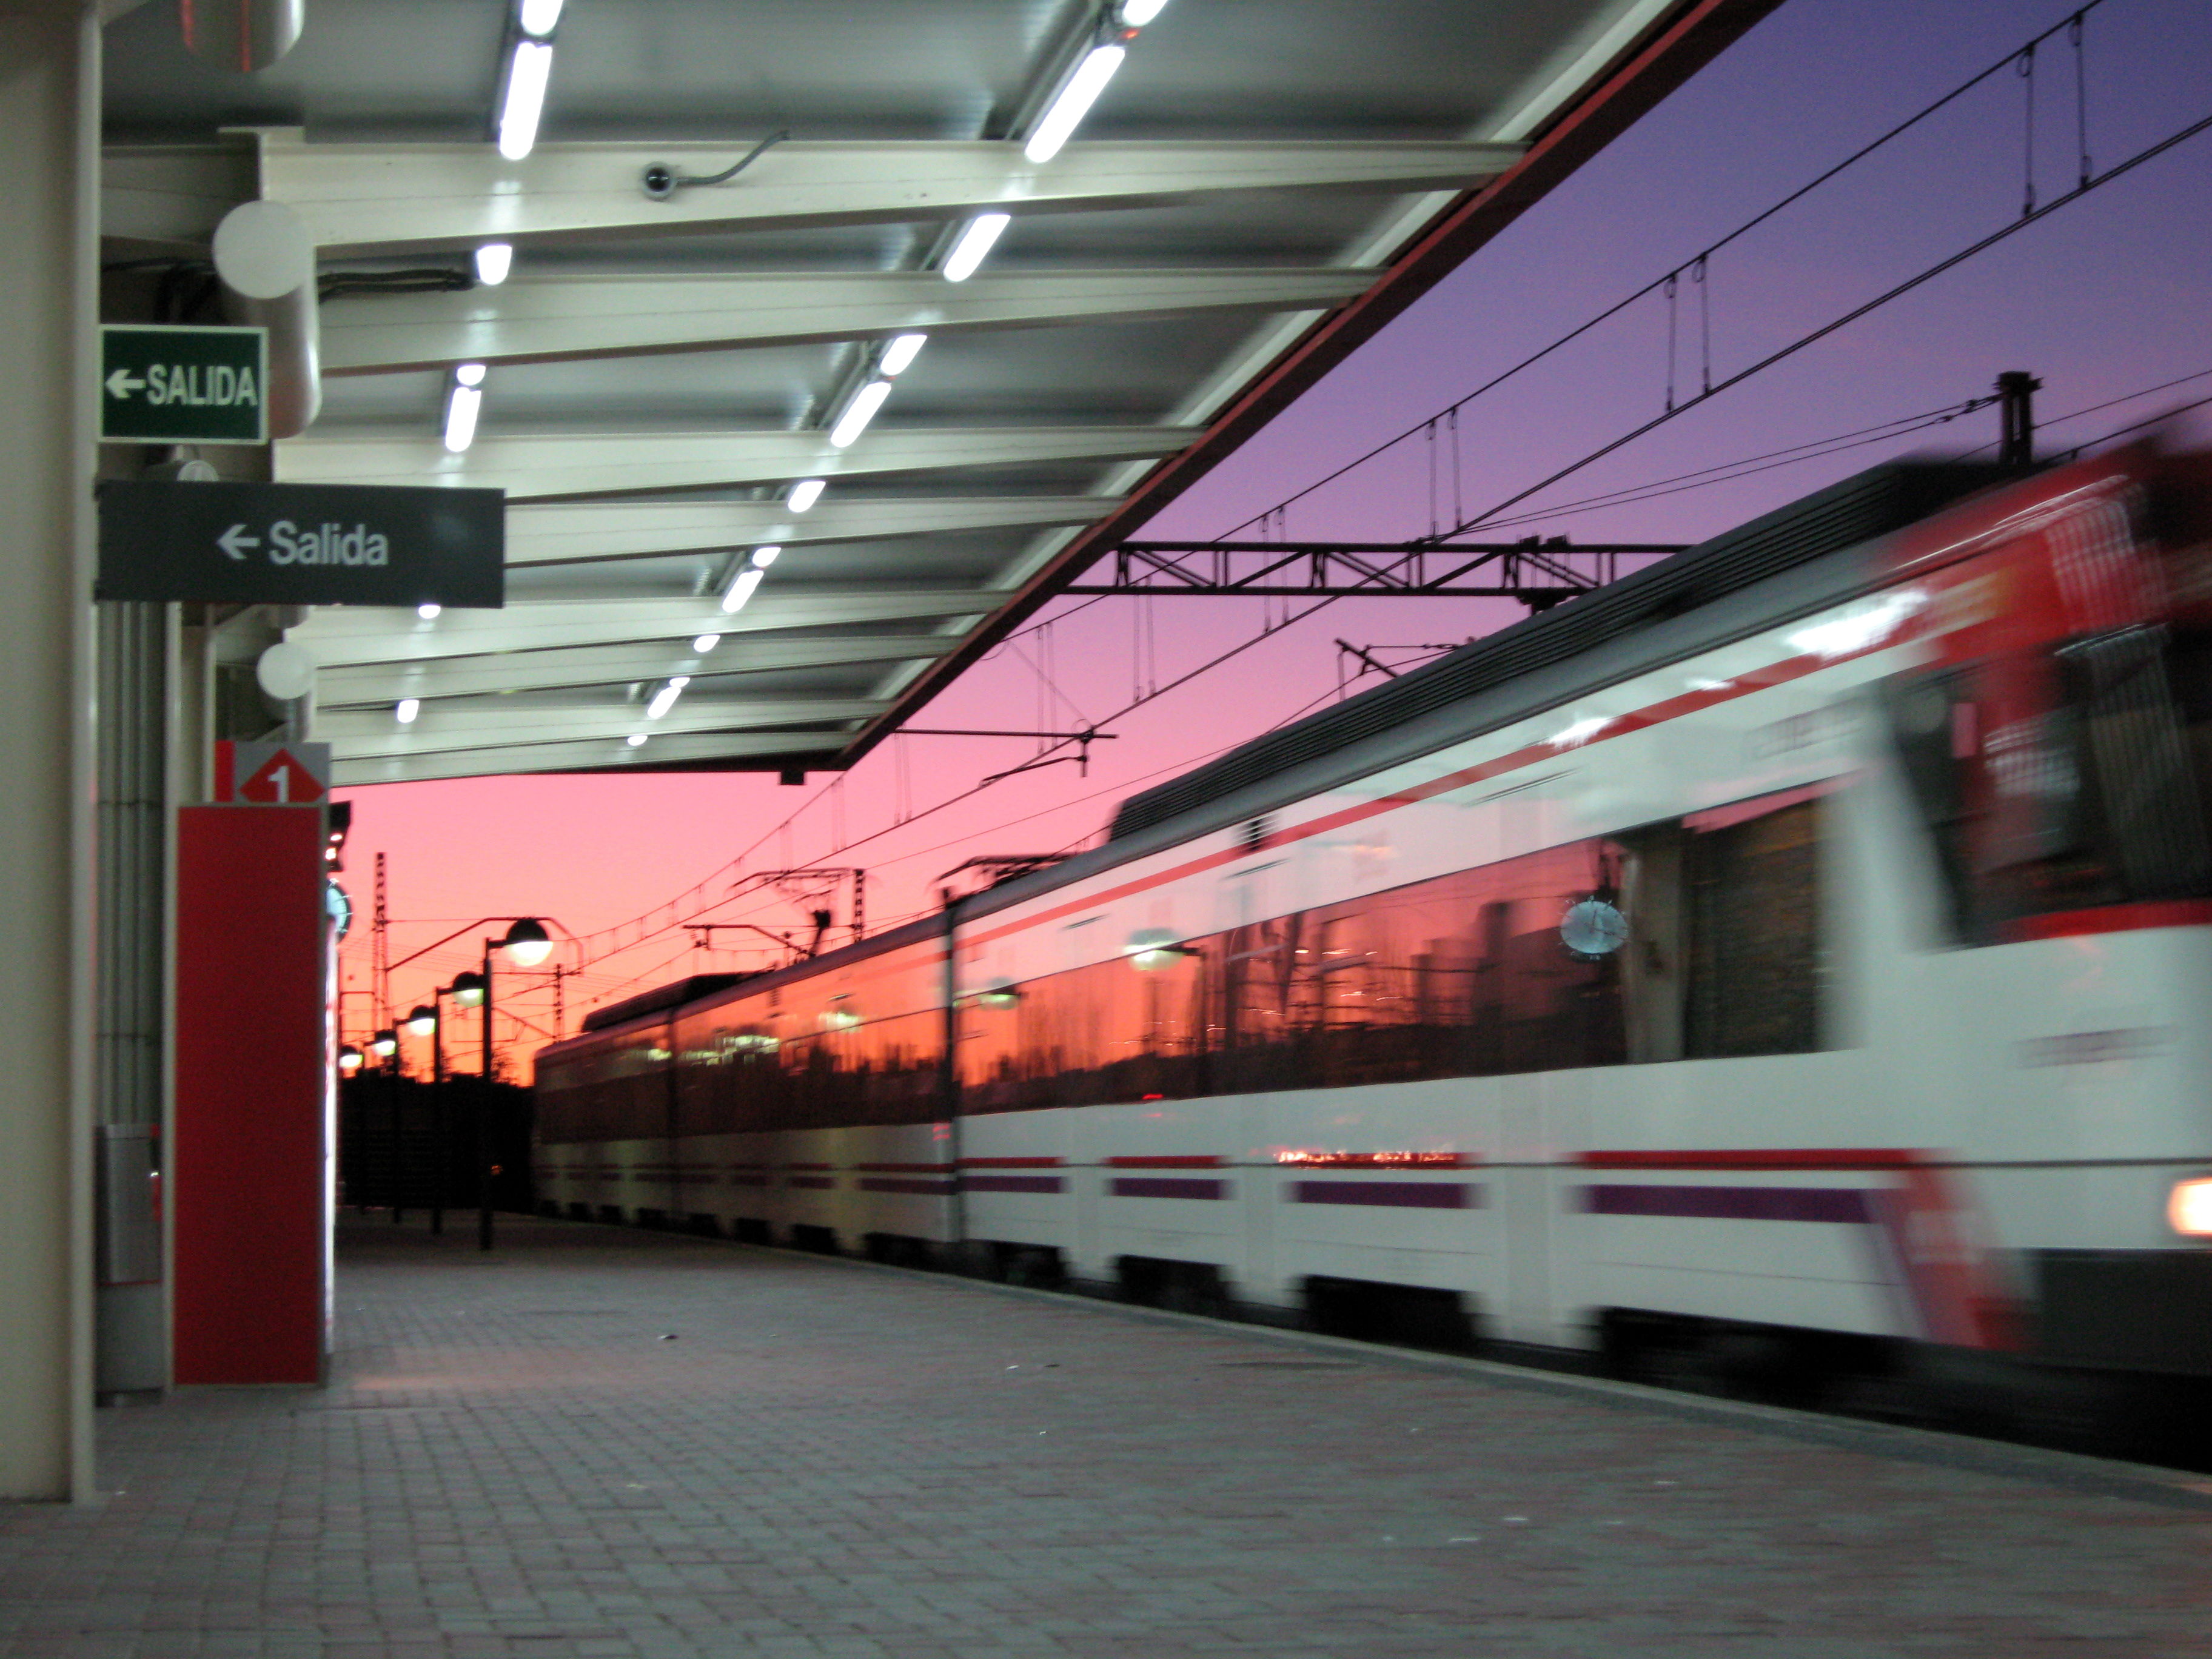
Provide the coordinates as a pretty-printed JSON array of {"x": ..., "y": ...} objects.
[{"x": 1258, "y": 189}]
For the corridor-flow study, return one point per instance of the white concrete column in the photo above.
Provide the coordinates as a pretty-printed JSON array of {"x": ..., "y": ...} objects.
[{"x": 49, "y": 224}]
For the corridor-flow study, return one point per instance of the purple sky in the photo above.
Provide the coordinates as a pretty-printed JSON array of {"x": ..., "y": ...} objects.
[{"x": 2105, "y": 298}]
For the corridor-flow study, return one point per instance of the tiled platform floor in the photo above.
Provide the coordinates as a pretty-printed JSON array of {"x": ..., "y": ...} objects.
[{"x": 517, "y": 1460}]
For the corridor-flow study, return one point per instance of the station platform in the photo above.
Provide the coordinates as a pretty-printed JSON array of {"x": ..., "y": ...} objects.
[{"x": 603, "y": 1443}]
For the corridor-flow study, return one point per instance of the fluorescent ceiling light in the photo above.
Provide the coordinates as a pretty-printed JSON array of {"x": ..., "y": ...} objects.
[
  {"x": 494, "y": 261},
  {"x": 1138, "y": 13},
  {"x": 705, "y": 642},
  {"x": 1076, "y": 97},
  {"x": 470, "y": 373},
  {"x": 742, "y": 588},
  {"x": 765, "y": 557},
  {"x": 538, "y": 17},
  {"x": 462, "y": 404},
  {"x": 429, "y": 611},
  {"x": 408, "y": 709},
  {"x": 527, "y": 72},
  {"x": 858, "y": 412},
  {"x": 665, "y": 699},
  {"x": 975, "y": 242},
  {"x": 898, "y": 356},
  {"x": 805, "y": 494},
  {"x": 634, "y": 739}
]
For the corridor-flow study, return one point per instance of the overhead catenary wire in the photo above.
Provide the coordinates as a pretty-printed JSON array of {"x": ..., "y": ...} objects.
[
  {"x": 1705, "y": 477},
  {"x": 2146, "y": 153},
  {"x": 2158, "y": 419},
  {"x": 2047, "y": 423},
  {"x": 1700, "y": 257}
]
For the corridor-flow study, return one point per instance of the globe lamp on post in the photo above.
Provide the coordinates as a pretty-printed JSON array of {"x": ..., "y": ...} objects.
[{"x": 527, "y": 943}]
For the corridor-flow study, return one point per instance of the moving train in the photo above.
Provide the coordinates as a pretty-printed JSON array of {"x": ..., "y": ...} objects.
[{"x": 1783, "y": 971}]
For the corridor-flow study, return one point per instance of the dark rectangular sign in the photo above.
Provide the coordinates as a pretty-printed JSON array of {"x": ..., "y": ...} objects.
[
  {"x": 291, "y": 543},
  {"x": 161, "y": 384}
]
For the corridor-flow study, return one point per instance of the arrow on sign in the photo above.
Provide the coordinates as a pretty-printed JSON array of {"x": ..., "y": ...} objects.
[
  {"x": 122, "y": 384},
  {"x": 234, "y": 541}
]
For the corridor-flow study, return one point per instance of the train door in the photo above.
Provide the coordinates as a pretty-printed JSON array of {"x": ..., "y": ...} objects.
[{"x": 1522, "y": 1188}]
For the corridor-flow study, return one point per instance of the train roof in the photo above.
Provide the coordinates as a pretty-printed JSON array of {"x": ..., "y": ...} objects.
[
  {"x": 671, "y": 995},
  {"x": 1859, "y": 509}
]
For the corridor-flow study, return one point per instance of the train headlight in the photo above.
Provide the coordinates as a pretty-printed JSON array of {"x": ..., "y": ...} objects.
[{"x": 2189, "y": 1208}]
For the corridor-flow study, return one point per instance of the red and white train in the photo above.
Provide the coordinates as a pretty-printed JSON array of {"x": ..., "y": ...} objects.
[{"x": 1799, "y": 947}]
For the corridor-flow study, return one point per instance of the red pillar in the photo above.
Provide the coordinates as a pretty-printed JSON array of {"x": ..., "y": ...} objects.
[{"x": 248, "y": 1166}]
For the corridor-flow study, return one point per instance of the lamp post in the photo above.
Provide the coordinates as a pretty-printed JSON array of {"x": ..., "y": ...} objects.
[
  {"x": 384, "y": 1045},
  {"x": 526, "y": 944},
  {"x": 473, "y": 990},
  {"x": 424, "y": 1021}
]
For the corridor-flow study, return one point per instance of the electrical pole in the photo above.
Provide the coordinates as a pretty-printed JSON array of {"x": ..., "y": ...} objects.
[
  {"x": 2016, "y": 391},
  {"x": 380, "y": 953},
  {"x": 483, "y": 1118}
]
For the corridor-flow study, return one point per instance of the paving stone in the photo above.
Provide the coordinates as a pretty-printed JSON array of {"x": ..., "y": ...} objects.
[{"x": 833, "y": 1462}]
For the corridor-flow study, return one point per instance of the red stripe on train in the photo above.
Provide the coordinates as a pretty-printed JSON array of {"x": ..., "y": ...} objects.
[{"x": 2110, "y": 919}]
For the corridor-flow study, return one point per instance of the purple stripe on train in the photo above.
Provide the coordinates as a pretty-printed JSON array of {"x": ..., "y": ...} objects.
[
  {"x": 919, "y": 1185},
  {"x": 1165, "y": 1187},
  {"x": 1840, "y": 1204},
  {"x": 1013, "y": 1183},
  {"x": 816, "y": 1182},
  {"x": 1397, "y": 1195}
]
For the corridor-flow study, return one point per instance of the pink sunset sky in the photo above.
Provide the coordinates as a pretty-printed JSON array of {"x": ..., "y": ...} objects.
[{"x": 2106, "y": 298}]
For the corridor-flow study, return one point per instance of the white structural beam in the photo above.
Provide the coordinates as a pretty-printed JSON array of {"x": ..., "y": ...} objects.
[
  {"x": 381, "y": 684},
  {"x": 167, "y": 199},
  {"x": 553, "y": 319},
  {"x": 491, "y": 725},
  {"x": 570, "y": 465},
  {"x": 586, "y": 531},
  {"x": 704, "y": 748},
  {"x": 376, "y": 198},
  {"x": 342, "y": 634}
]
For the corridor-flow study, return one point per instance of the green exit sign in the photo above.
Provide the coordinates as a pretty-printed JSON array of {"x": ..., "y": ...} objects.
[{"x": 174, "y": 384}]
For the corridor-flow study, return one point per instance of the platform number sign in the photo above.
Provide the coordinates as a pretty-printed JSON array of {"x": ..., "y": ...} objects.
[{"x": 271, "y": 773}]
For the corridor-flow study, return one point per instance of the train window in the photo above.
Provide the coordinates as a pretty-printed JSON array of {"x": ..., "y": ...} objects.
[
  {"x": 1752, "y": 896},
  {"x": 1695, "y": 938},
  {"x": 2125, "y": 722},
  {"x": 1931, "y": 723},
  {"x": 1466, "y": 974},
  {"x": 2061, "y": 779}
]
